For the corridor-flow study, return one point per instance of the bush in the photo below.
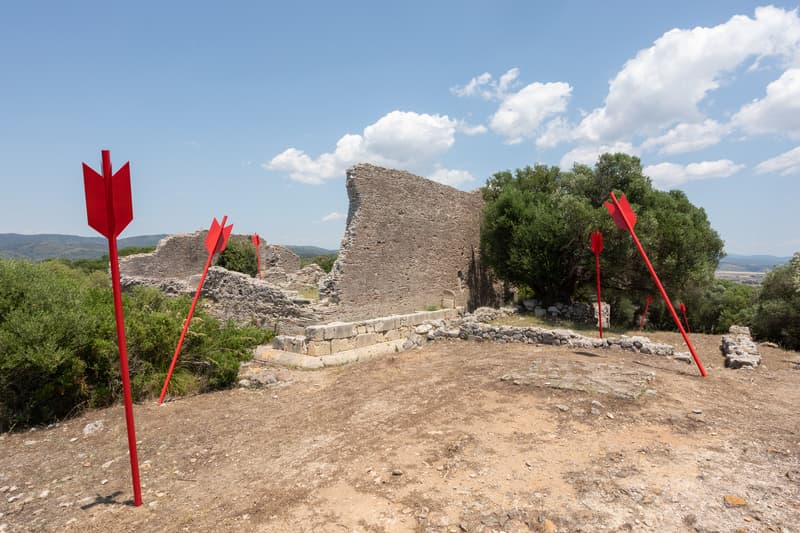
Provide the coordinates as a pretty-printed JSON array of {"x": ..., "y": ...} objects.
[
  {"x": 239, "y": 256},
  {"x": 58, "y": 348},
  {"x": 324, "y": 261},
  {"x": 777, "y": 311}
]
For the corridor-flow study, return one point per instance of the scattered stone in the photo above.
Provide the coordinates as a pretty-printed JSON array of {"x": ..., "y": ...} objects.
[
  {"x": 734, "y": 501},
  {"x": 103, "y": 482},
  {"x": 769, "y": 344},
  {"x": 44, "y": 494},
  {"x": 697, "y": 411},
  {"x": 562, "y": 407},
  {"x": 397, "y": 472},
  {"x": 92, "y": 427},
  {"x": 610, "y": 415},
  {"x": 685, "y": 357}
]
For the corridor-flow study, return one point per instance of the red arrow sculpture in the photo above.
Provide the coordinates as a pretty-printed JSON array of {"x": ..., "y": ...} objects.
[
  {"x": 256, "y": 241},
  {"x": 597, "y": 247},
  {"x": 109, "y": 210},
  {"x": 683, "y": 311},
  {"x": 647, "y": 301},
  {"x": 624, "y": 217},
  {"x": 216, "y": 240}
]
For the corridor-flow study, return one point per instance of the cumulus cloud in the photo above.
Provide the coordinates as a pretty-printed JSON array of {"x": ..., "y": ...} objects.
[
  {"x": 785, "y": 164},
  {"x": 521, "y": 113},
  {"x": 687, "y": 138},
  {"x": 402, "y": 139},
  {"x": 666, "y": 175},
  {"x": 487, "y": 87},
  {"x": 331, "y": 217},
  {"x": 666, "y": 82},
  {"x": 778, "y": 111},
  {"x": 468, "y": 129},
  {"x": 451, "y": 177},
  {"x": 588, "y": 155}
]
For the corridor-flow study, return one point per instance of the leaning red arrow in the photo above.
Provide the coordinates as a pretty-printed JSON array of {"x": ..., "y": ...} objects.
[
  {"x": 597, "y": 247},
  {"x": 624, "y": 217},
  {"x": 109, "y": 210},
  {"x": 216, "y": 240},
  {"x": 256, "y": 241}
]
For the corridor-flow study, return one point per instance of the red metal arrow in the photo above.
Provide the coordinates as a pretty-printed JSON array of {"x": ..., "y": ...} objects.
[
  {"x": 597, "y": 247},
  {"x": 109, "y": 210},
  {"x": 647, "y": 301},
  {"x": 683, "y": 311},
  {"x": 624, "y": 217},
  {"x": 216, "y": 240},
  {"x": 256, "y": 241}
]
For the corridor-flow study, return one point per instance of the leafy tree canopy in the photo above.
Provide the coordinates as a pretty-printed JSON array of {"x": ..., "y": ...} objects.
[{"x": 538, "y": 220}]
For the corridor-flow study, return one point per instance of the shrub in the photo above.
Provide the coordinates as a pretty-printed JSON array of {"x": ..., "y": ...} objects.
[
  {"x": 324, "y": 261},
  {"x": 777, "y": 311},
  {"x": 239, "y": 256},
  {"x": 58, "y": 349}
]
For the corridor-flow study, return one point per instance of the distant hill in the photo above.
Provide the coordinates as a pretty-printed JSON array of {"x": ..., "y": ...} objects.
[
  {"x": 750, "y": 263},
  {"x": 310, "y": 251},
  {"x": 48, "y": 246}
]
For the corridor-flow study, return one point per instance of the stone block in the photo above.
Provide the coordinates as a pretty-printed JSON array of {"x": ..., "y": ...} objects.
[
  {"x": 392, "y": 335},
  {"x": 368, "y": 339},
  {"x": 318, "y": 348},
  {"x": 340, "y": 345},
  {"x": 339, "y": 330},
  {"x": 315, "y": 333},
  {"x": 289, "y": 343}
]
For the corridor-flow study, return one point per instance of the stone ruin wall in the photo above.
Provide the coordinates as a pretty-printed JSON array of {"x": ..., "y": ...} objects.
[{"x": 410, "y": 244}]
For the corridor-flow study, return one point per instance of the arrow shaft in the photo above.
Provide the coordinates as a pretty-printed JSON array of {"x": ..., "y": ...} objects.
[
  {"x": 599, "y": 301},
  {"x": 123, "y": 367},
  {"x": 644, "y": 314},
  {"x": 661, "y": 289}
]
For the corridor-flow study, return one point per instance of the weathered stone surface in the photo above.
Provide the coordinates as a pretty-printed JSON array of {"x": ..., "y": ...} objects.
[
  {"x": 318, "y": 347},
  {"x": 739, "y": 349},
  {"x": 290, "y": 343},
  {"x": 410, "y": 243},
  {"x": 341, "y": 345}
]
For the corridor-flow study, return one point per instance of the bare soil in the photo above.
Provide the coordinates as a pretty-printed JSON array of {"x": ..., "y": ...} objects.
[{"x": 456, "y": 436}]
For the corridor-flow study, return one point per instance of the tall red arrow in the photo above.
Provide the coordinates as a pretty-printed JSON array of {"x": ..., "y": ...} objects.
[
  {"x": 597, "y": 247},
  {"x": 216, "y": 240},
  {"x": 256, "y": 242},
  {"x": 109, "y": 210},
  {"x": 624, "y": 217}
]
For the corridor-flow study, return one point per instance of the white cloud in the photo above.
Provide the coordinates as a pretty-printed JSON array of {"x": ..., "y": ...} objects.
[
  {"x": 331, "y": 217},
  {"x": 555, "y": 132},
  {"x": 588, "y": 155},
  {"x": 687, "y": 138},
  {"x": 451, "y": 177},
  {"x": 485, "y": 86},
  {"x": 666, "y": 82},
  {"x": 520, "y": 114},
  {"x": 468, "y": 129},
  {"x": 784, "y": 164},
  {"x": 402, "y": 139},
  {"x": 778, "y": 111},
  {"x": 666, "y": 175}
]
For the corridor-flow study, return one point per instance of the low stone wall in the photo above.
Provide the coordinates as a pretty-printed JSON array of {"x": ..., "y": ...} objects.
[
  {"x": 582, "y": 313},
  {"x": 739, "y": 349},
  {"x": 338, "y": 337}
]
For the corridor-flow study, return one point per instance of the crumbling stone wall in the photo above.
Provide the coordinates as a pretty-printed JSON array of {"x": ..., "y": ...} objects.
[
  {"x": 184, "y": 254},
  {"x": 410, "y": 243}
]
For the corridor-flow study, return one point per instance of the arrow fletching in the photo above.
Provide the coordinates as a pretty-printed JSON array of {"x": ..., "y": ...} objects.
[
  {"x": 108, "y": 223},
  {"x": 217, "y": 237},
  {"x": 620, "y": 210},
  {"x": 597, "y": 242}
]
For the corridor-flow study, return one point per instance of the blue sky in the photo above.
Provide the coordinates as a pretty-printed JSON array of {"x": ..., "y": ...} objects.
[{"x": 255, "y": 109}]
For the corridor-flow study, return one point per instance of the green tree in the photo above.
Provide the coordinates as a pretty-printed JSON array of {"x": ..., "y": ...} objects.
[
  {"x": 537, "y": 223},
  {"x": 239, "y": 256},
  {"x": 777, "y": 311}
]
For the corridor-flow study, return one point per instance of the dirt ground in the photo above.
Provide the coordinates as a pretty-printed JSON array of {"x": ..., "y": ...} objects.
[{"x": 456, "y": 436}]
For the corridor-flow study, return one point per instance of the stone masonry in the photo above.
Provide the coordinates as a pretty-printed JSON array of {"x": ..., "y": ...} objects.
[{"x": 410, "y": 244}]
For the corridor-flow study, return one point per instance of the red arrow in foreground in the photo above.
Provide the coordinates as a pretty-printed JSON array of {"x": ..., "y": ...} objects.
[
  {"x": 647, "y": 301},
  {"x": 109, "y": 210},
  {"x": 256, "y": 241},
  {"x": 597, "y": 247},
  {"x": 216, "y": 240},
  {"x": 624, "y": 217}
]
